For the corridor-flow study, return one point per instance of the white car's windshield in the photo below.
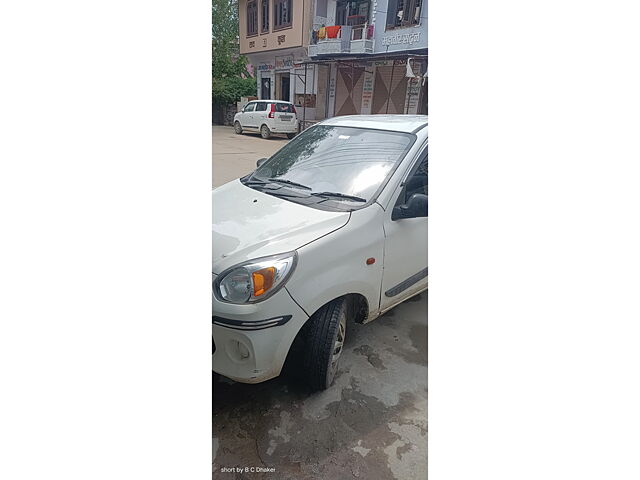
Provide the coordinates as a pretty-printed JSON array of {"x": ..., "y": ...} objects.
[{"x": 343, "y": 164}]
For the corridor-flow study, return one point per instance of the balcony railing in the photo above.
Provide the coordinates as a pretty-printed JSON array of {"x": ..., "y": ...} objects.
[{"x": 338, "y": 39}]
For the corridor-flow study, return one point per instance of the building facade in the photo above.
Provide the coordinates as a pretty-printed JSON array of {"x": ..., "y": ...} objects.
[
  {"x": 372, "y": 54},
  {"x": 338, "y": 57},
  {"x": 274, "y": 35}
]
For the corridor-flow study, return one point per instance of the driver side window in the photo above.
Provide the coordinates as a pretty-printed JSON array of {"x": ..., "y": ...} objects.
[
  {"x": 250, "y": 107},
  {"x": 418, "y": 181}
]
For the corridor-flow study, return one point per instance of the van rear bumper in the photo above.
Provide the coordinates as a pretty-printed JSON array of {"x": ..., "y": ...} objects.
[{"x": 285, "y": 128}]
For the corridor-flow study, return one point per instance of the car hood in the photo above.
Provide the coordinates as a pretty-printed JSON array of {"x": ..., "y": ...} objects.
[{"x": 249, "y": 224}]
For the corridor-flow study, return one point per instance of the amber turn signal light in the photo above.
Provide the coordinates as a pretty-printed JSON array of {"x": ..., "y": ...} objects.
[{"x": 263, "y": 280}]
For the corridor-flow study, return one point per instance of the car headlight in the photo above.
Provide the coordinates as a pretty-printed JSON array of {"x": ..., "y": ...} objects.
[{"x": 255, "y": 280}]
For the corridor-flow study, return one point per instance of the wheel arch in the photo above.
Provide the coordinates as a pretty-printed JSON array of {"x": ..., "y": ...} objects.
[
  {"x": 358, "y": 306},
  {"x": 358, "y": 310},
  {"x": 357, "y": 303}
]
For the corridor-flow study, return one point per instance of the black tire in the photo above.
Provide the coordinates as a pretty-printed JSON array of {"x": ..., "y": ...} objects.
[
  {"x": 290, "y": 135},
  {"x": 237, "y": 127},
  {"x": 265, "y": 132},
  {"x": 322, "y": 336}
]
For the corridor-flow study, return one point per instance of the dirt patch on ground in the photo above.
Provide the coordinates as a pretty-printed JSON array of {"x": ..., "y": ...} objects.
[{"x": 372, "y": 357}]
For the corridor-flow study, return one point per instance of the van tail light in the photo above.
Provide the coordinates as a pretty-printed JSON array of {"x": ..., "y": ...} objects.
[
  {"x": 272, "y": 111},
  {"x": 294, "y": 109}
]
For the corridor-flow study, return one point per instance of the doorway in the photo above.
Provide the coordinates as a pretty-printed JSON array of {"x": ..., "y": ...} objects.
[
  {"x": 265, "y": 89},
  {"x": 285, "y": 87}
]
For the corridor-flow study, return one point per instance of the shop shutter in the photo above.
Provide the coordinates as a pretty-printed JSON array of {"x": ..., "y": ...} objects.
[
  {"x": 349, "y": 83},
  {"x": 390, "y": 89}
]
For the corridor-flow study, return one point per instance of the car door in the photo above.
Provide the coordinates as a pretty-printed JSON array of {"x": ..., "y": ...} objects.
[
  {"x": 260, "y": 114},
  {"x": 248, "y": 116},
  {"x": 405, "y": 251}
]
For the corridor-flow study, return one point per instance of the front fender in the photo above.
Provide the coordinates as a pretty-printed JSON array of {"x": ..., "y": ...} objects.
[{"x": 336, "y": 264}]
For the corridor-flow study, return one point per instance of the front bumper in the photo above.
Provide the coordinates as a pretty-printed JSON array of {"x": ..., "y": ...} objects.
[{"x": 252, "y": 340}]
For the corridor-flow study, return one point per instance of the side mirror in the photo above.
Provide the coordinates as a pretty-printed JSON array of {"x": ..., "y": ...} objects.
[
  {"x": 417, "y": 206},
  {"x": 261, "y": 161}
]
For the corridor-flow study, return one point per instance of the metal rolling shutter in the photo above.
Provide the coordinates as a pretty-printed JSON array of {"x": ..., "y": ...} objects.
[
  {"x": 390, "y": 89},
  {"x": 349, "y": 83}
]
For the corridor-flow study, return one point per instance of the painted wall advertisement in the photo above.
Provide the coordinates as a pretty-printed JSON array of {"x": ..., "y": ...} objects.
[
  {"x": 367, "y": 92},
  {"x": 412, "y": 100},
  {"x": 284, "y": 63},
  {"x": 332, "y": 93},
  {"x": 265, "y": 67}
]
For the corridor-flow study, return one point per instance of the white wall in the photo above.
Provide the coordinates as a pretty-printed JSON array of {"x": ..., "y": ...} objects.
[{"x": 380, "y": 23}]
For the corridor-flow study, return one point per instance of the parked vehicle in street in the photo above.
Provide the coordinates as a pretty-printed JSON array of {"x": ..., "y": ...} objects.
[
  {"x": 267, "y": 117},
  {"x": 332, "y": 228}
]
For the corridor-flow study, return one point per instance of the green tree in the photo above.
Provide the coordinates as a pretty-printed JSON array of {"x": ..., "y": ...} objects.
[
  {"x": 228, "y": 90},
  {"x": 231, "y": 79}
]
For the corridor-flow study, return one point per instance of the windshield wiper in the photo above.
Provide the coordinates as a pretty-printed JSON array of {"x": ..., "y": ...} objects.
[
  {"x": 339, "y": 195},
  {"x": 289, "y": 182},
  {"x": 254, "y": 182},
  {"x": 261, "y": 183},
  {"x": 271, "y": 189},
  {"x": 280, "y": 193}
]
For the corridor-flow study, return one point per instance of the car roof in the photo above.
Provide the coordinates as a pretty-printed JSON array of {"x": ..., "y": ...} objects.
[
  {"x": 396, "y": 123},
  {"x": 270, "y": 101}
]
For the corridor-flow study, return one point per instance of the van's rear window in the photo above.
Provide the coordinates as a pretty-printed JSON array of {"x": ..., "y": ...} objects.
[{"x": 284, "y": 107}]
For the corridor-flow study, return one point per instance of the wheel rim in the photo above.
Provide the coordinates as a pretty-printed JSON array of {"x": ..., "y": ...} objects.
[
  {"x": 237, "y": 127},
  {"x": 264, "y": 131},
  {"x": 338, "y": 344}
]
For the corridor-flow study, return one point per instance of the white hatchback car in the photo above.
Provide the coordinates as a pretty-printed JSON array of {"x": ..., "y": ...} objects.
[
  {"x": 332, "y": 227},
  {"x": 267, "y": 117}
]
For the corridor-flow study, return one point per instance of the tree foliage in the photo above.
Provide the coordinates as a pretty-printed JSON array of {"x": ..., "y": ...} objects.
[
  {"x": 228, "y": 90},
  {"x": 228, "y": 67}
]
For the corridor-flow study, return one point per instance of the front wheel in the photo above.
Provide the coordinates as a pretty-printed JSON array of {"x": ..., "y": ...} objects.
[
  {"x": 237, "y": 127},
  {"x": 324, "y": 343},
  {"x": 290, "y": 135},
  {"x": 265, "y": 132}
]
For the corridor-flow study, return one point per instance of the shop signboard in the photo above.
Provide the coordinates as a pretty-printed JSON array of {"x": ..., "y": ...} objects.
[
  {"x": 389, "y": 63},
  {"x": 284, "y": 63},
  {"x": 401, "y": 39}
]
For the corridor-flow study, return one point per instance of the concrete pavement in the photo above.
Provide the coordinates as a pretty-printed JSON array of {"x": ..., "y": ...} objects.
[
  {"x": 235, "y": 155},
  {"x": 371, "y": 424}
]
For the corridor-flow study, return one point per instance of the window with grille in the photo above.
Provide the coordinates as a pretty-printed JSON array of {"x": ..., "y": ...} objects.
[
  {"x": 282, "y": 13},
  {"x": 265, "y": 15},
  {"x": 352, "y": 12},
  {"x": 252, "y": 17},
  {"x": 403, "y": 13}
]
